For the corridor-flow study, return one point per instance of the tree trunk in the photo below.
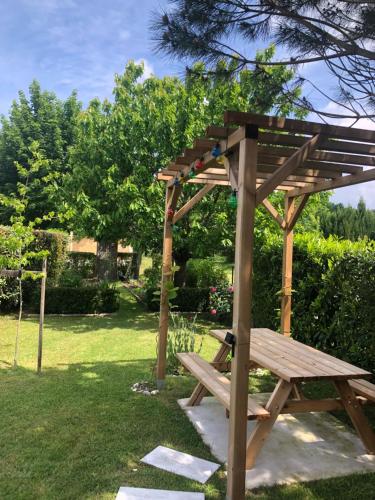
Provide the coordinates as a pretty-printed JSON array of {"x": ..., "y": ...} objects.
[
  {"x": 137, "y": 263},
  {"x": 181, "y": 258},
  {"x": 106, "y": 258}
]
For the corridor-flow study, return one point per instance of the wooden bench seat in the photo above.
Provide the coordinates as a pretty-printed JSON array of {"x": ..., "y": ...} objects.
[
  {"x": 217, "y": 384},
  {"x": 363, "y": 388}
]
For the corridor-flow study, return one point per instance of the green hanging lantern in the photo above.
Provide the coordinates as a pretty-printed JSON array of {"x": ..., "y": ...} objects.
[
  {"x": 232, "y": 201},
  {"x": 192, "y": 174}
]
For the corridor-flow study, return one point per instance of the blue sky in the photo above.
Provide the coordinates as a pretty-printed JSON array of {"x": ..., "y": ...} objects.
[{"x": 80, "y": 44}]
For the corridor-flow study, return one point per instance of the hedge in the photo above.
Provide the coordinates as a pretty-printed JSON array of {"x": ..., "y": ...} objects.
[
  {"x": 187, "y": 300},
  {"x": 56, "y": 243},
  {"x": 333, "y": 294},
  {"x": 78, "y": 300}
]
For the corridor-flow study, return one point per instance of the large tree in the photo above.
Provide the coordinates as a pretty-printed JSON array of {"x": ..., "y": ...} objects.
[
  {"x": 340, "y": 34},
  {"x": 111, "y": 194},
  {"x": 39, "y": 118}
]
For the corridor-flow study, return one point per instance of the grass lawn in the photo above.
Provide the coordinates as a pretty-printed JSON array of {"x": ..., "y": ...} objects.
[{"x": 78, "y": 431}]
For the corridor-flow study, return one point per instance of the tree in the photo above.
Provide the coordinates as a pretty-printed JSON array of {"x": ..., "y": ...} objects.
[
  {"x": 50, "y": 122},
  {"x": 15, "y": 240},
  {"x": 340, "y": 34},
  {"x": 348, "y": 222},
  {"x": 110, "y": 193}
]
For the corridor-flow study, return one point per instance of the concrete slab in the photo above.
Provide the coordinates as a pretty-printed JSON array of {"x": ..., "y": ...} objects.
[
  {"x": 125, "y": 493},
  {"x": 301, "y": 447},
  {"x": 180, "y": 463}
]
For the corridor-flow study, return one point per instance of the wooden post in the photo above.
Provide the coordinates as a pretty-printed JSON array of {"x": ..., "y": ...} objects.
[
  {"x": 41, "y": 314},
  {"x": 164, "y": 305},
  {"x": 242, "y": 317},
  {"x": 286, "y": 298}
]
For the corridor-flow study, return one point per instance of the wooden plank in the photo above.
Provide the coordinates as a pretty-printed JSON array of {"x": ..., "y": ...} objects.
[
  {"x": 299, "y": 126},
  {"x": 218, "y": 384},
  {"x": 10, "y": 273},
  {"x": 287, "y": 269},
  {"x": 316, "y": 405},
  {"x": 348, "y": 180},
  {"x": 242, "y": 317},
  {"x": 262, "y": 429},
  {"x": 318, "y": 155},
  {"x": 317, "y": 174},
  {"x": 192, "y": 202},
  {"x": 200, "y": 391},
  {"x": 331, "y": 367},
  {"x": 326, "y": 144},
  {"x": 288, "y": 167},
  {"x": 41, "y": 314},
  {"x": 273, "y": 212},
  {"x": 313, "y": 164},
  {"x": 355, "y": 412},
  {"x": 297, "y": 212},
  {"x": 363, "y": 388}
]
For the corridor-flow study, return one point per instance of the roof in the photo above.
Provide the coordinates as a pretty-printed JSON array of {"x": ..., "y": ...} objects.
[{"x": 296, "y": 156}]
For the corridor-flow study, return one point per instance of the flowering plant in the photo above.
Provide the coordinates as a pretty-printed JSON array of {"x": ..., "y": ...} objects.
[{"x": 221, "y": 301}]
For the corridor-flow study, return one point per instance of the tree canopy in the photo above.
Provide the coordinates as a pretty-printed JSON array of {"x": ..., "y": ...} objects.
[
  {"x": 340, "y": 33},
  {"x": 42, "y": 119}
]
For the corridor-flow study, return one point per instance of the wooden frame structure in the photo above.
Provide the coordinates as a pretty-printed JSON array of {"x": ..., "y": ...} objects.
[{"x": 260, "y": 154}]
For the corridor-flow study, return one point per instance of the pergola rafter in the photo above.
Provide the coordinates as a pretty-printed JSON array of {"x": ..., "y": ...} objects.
[{"x": 257, "y": 156}]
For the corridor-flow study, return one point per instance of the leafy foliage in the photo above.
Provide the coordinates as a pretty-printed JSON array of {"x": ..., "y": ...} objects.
[
  {"x": 205, "y": 273},
  {"x": 338, "y": 33},
  {"x": 348, "y": 222},
  {"x": 44, "y": 125},
  {"x": 181, "y": 338}
]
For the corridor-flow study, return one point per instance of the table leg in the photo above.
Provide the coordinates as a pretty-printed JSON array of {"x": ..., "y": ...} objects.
[
  {"x": 264, "y": 427},
  {"x": 355, "y": 412},
  {"x": 200, "y": 391}
]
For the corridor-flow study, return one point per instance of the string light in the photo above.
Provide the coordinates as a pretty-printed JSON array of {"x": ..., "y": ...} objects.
[{"x": 232, "y": 201}]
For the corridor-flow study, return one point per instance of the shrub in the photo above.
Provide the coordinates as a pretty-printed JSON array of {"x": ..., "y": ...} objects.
[
  {"x": 181, "y": 338},
  {"x": 203, "y": 273},
  {"x": 221, "y": 303},
  {"x": 187, "y": 300},
  {"x": 82, "y": 263},
  {"x": 79, "y": 300},
  {"x": 70, "y": 278}
]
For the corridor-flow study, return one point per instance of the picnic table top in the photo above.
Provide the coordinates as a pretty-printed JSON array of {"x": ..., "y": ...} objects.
[{"x": 293, "y": 361}]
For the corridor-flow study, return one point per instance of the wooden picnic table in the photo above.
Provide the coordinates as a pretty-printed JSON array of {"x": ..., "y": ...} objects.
[{"x": 292, "y": 363}]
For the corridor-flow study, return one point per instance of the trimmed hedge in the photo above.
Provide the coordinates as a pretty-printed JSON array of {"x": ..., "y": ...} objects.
[
  {"x": 79, "y": 300},
  {"x": 187, "y": 300}
]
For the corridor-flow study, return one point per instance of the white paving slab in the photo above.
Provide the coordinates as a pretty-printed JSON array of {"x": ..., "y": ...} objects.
[
  {"x": 301, "y": 447},
  {"x": 180, "y": 463},
  {"x": 125, "y": 493}
]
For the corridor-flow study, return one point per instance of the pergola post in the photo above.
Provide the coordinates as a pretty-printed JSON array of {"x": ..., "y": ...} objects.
[
  {"x": 242, "y": 317},
  {"x": 287, "y": 270},
  {"x": 164, "y": 304}
]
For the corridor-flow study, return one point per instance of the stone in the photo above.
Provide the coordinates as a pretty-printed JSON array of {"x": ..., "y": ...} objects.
[{"x": 181, "y": 463}]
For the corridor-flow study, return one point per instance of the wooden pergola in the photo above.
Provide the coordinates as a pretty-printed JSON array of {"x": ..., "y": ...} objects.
[{"x": 256, "y": 155}]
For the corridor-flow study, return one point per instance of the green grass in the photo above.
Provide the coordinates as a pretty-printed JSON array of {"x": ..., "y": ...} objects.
[{"x": 78, "y": 431}]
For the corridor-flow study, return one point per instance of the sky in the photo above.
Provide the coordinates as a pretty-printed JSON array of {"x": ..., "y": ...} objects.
[{"x": 81, "y": 44}]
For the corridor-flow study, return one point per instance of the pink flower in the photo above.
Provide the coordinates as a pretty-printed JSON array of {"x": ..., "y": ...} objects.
[
  {"x": 213, "y": 312},
  {"x": 230, "y": 289},
  {"x": 213, "y": 289}
]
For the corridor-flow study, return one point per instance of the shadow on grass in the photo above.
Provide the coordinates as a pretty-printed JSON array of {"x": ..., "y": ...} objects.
[
  {"x": 79, "y": 432},
  {"x": 130, "y": 316}
]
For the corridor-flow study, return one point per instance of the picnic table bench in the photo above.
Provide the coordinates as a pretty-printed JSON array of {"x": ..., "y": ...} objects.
[{"x": 292, "y": 363}]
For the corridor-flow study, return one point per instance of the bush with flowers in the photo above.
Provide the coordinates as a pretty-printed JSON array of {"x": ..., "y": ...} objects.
[{"x": 221, "y": 302}]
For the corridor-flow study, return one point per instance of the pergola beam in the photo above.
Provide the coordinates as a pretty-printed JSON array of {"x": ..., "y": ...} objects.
[
  {"x": 348, "y": 180},
  {"x": 291, "y": 164},
  {"x": 299, "y": 126},
  {"x": 273, "y": 212},
  {"x": 297, "y": 212},
  {"x": 192, "y": 202}
]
